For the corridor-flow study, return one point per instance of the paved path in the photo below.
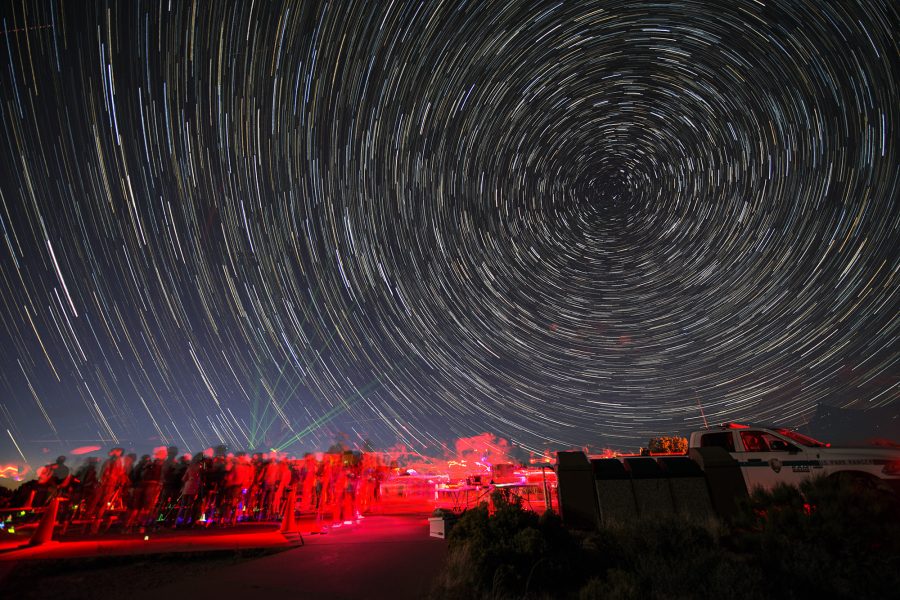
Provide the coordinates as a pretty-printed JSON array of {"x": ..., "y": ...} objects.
[
  {"x": 166, "y": 542},
  {"x": 383, "y": 556}
]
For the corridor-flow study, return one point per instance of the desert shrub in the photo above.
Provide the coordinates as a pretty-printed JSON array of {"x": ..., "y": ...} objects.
[
  {"x": 508, "y": 553},
  {"x": 617, "y": 585},
  {"x": 831, "y": 537},
  {"x": 667, "y": 558}
]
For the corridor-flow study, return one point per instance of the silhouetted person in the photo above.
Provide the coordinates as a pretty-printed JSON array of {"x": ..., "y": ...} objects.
[
  {"x": 113, "y": 480},
  {"x": 190, "y": 503},
  {"x": 238, "y": 481},
  {"x": 143, "y": 511},
  {"x": 82, "y": 491},
  {"x": 172, "y": 471}
]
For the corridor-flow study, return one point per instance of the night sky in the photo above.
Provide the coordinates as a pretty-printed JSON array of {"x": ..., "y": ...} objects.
[{"x": 563, "y": 223}]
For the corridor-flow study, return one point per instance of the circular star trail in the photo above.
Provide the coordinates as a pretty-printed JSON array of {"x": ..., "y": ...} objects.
[{"x": 267, "y": 223}]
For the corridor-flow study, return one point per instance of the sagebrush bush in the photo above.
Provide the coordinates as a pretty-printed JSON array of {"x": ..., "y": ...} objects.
[
  {"x": 509, "y": 553},
  {"x": 827, "y": 539},
  {"x": 667, "y": 558},
  {"x": 831, "y": 537}
]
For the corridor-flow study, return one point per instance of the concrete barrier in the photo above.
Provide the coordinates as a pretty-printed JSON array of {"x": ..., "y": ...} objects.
[
  {"x": 690, "y": 493},
  {"x": 651, "y": 487},
  {"x": 724, "y": 478},
  {"x": 615, "y": 494},
  {"x": 577, "y": 495}
]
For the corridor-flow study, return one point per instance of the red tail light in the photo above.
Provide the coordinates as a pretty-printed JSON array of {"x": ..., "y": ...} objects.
[{"x": 892, "y": 468}]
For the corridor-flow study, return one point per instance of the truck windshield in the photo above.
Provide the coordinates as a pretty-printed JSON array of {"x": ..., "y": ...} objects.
[{"x": 803, "y": 440}]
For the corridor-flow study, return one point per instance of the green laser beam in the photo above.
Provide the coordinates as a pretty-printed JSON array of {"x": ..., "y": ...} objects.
[{"x": 343, "y": 405}]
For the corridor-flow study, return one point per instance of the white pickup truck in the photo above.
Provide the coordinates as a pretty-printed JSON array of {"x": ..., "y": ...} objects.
[{"x": 770, "y": 455}]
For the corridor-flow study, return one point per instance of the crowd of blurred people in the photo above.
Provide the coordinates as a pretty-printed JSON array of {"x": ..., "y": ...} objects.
[{"x": 210, "y": 488}]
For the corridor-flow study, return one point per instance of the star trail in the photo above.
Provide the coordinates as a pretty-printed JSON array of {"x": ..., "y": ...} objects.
[{"x": 268, "y": 224}]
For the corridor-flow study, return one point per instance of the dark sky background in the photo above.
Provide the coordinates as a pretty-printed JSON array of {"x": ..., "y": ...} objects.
[{"x": 572, "y": 223}]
